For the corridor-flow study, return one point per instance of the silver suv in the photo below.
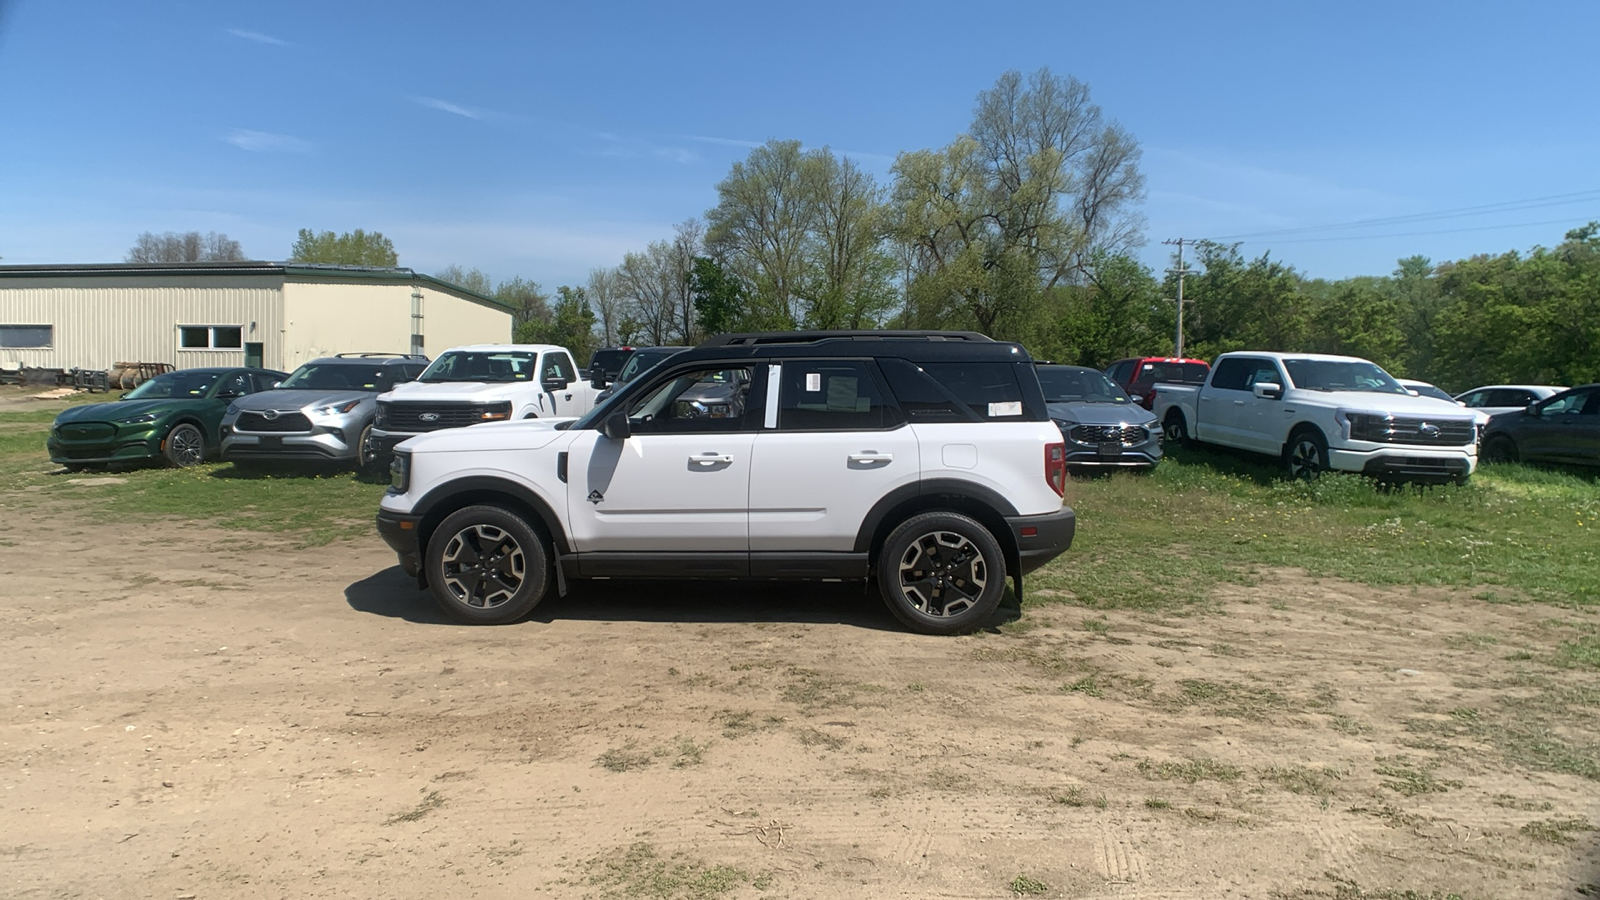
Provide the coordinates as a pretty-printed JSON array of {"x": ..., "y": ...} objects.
[{"x": 323, "y": 411}]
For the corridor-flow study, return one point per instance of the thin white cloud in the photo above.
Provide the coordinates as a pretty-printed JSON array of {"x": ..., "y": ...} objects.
[
  {"x": 726, "y": 142},
  {"x": 258, "y": 37},
  {"x": 451, "y": 108},
  {"x": 677, "y": 154},
  {"x": 266, "y": 141}
]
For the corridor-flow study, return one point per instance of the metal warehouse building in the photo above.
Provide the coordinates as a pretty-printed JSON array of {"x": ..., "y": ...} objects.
[{"x": 276, "y": 315}]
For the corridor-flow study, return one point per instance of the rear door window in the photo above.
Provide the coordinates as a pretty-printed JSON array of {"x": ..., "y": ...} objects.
[{"x": 832, "y": 395}]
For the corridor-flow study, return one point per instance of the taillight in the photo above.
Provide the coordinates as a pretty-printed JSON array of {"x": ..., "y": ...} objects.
[{"x": 1055, "y": 468}]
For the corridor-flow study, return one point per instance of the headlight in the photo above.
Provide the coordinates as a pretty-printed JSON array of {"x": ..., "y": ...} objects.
[
  {"x": 1365, "y": 426},
  {"x": 233, "y": 409},
  {"x": 337, "y": 409},
  {"x": 137, "y": 420},
  {"x": 381, "y": 417},
  {"x": 496, "y": 412},
  {"x": 400, "y": 472}
]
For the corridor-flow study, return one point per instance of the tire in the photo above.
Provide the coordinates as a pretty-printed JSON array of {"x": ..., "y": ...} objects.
[
  {"x": 1501, "y": 449},
  {"x": 941, "y": 573},
  {"x": 1176, "y": 429},
  {"x": 1306, "y": 455},
  {"x": 185, "y": 446},
  {"x": 367, "y": 455},
  {"x": 514, "y": 579}
]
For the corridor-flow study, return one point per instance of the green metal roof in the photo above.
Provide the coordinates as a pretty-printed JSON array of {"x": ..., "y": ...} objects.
[{"x": 251, "y": 267}]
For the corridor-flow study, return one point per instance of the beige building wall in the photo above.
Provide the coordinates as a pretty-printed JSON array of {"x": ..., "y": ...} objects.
[
  {"x": 322, "y": 318},
  {"x": 451, "y": 321},
  {"x": 100, "y": 320}
]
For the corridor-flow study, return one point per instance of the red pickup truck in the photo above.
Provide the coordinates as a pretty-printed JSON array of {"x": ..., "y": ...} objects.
[{"x": 1140, "y": 375}]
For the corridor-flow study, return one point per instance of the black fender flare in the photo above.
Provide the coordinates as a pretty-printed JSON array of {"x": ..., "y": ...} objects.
[
  {"x": 452, "y": 495},
  {"x": 984, "y": 503}
]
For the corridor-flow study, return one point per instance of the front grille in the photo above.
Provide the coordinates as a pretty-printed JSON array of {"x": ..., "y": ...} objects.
[
  {"x": 1126, "y": 435},
  {"x": 1425, "y": 432},
  {"x": 285, "y": 422},
  {"x": 415, "y": 417},
  {"x": 89, "y": 431}
]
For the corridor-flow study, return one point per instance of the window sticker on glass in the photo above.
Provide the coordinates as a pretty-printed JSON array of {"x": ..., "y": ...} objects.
[
  {"x": 813, "y": 381},
  {"x": 1012, "y": 408}
]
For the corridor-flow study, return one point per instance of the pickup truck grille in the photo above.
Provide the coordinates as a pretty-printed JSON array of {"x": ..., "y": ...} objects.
[
  {"x": 1420, "y": 432},
  {"x": 419, "y": 417},
  {"x": 282, "y": 423},
  {"x": 1127, "y": 435}
]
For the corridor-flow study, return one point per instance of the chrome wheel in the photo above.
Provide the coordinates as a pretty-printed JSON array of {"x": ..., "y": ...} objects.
[
  {"x": 1305, "y": 458},
  {"x": 483, "y": 566},
  {"x": 185, "y": 446},
  {"x": 942, "y": 574}
]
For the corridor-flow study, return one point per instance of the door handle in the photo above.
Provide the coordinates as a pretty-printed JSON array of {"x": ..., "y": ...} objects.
[
  {"x": 711, "y": 459},
  {"x": 871, "y": 456}
]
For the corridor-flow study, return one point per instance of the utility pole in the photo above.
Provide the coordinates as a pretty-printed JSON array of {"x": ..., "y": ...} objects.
[{"x": 1180, "y": 271}]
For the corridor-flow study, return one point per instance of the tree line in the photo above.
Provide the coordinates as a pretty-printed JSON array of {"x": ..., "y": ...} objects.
[{"x": 1023, "y": 228}]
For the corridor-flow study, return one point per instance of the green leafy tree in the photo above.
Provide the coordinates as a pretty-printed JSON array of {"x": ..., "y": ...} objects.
[
  {"x": 1018, "y": 206},
  {"x": 718, "y": 296},
  {"x": 1117, "y": 312},
  {"x": 528, "y": 301},
  {"x": 570, "y": 324},
  {"x": 353, "y": 248}
]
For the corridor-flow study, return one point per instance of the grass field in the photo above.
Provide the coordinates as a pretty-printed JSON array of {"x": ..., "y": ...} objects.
[{"x": 1159, "y": 541}]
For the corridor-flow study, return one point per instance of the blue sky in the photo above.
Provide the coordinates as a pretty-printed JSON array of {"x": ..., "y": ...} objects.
[{"x": 542, "y": 140}]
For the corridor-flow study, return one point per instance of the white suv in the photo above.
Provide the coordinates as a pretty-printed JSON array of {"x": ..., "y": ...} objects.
[
  {"x": 483, "y": 383},
  {"x": 925, "y": 460}
]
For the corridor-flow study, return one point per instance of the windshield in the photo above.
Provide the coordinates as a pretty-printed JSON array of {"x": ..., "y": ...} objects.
[
  {"x": 1428, "y": 390},
  {"x": 338, "y": 377},
  {"x": 488, "y": 366},
  {"x": 174, "y": 385},
  {"x": 644, "y": 360},
  {"x": 1341, "y": 375},
  {"x": 1172, "y": 373},
  {"x": 1064, "y": 384}
]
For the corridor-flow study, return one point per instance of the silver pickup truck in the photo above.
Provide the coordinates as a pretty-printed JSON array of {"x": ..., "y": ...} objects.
[{"x": 1318, "y": 412}]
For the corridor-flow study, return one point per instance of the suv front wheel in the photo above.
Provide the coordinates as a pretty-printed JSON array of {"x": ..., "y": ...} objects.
[
  {"x": 487, "y": 566},
  {"x": 941, "y": 573}
]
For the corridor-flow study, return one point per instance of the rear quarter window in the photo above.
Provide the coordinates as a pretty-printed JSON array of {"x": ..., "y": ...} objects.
[{"x": 964, "y": 392}]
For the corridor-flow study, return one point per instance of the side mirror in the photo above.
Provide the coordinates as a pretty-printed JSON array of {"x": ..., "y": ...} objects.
[
  {"x": 1267, "y": 390},
  {"x": 555, "y": 384},
  {"x": 598, "y": 381},
  {"x": 1413, "y": 393},
  {"x": 616, "y": 427},
  {"x": 1532, "y": 409},
  {"x": 276, "y": 385}
]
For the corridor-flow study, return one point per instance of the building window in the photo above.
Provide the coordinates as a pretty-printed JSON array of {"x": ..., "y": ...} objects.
[
  {"x": 31, "y": 337},
  {"x": 210, "y": 337}
]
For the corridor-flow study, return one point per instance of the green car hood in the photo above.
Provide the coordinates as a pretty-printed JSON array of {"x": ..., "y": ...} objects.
[{"x": 111, "y": 412}]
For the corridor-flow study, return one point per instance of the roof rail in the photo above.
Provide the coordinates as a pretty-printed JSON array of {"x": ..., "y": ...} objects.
[
  {"x": 761, "y": 338},
  {"x": 366, "y": 355}
]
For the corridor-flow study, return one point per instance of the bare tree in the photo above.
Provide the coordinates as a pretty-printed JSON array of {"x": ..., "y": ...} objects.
[
  {"x": 190, "y": 246},
  {"x": 647, "y": 280},
  {"x": 760, "y": 228},
  {"x": 688, "y": 242},
  {"x": 606, "y": 293}
]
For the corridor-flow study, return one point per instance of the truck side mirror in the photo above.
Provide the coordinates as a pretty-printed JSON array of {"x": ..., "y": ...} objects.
[
  {"x": 1267, "y": 390},
  {"x": 555, "y": 383},
  {"x": 616, "y": 427}
]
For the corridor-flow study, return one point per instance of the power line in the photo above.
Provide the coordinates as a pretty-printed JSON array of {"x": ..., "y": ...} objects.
[
  {"x": 1377, "y": 237},
  {"x": 1483, "y": 209}
]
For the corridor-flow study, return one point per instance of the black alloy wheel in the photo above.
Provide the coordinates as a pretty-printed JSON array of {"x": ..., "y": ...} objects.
[
  {"x": 487, "y": 566},
  {"x": 185, "y": 446},
  {"x": 941, "y": 573},
  {"x": 1307, "y": 455}
]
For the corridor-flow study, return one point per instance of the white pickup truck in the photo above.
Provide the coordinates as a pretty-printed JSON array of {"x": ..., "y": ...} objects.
[
  {"x": 483, "y": 383},
  {"x": 1318, "y": 412}
]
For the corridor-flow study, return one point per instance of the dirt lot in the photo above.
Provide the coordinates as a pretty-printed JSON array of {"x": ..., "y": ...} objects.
[{"x": 202, "y": 713}]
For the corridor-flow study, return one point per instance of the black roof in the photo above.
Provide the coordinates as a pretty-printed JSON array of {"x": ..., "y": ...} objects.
[{"x": 918, "y": 346}]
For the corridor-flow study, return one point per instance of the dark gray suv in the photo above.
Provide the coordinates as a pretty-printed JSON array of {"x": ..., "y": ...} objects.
[{"x": 323, "y": 411}]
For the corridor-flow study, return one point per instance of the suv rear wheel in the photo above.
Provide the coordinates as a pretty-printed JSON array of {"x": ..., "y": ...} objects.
[
  {"x": 487, "y": 566},
  {"x": 941, "y": 573}
]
